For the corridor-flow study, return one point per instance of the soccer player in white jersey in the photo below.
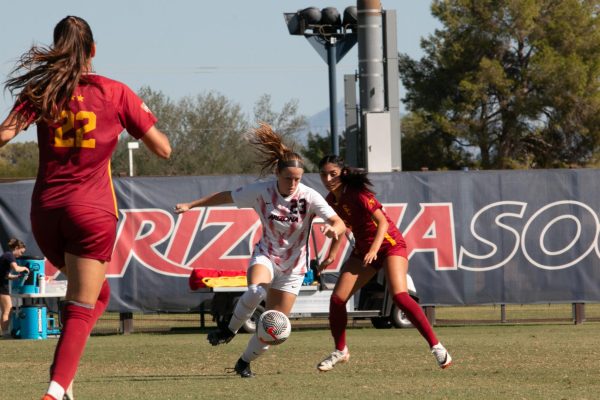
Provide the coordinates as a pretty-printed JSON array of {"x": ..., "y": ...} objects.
[{"x": 286, "y": 208}]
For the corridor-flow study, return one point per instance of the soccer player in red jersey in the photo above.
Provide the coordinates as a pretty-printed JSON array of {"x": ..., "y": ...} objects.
[
  {"x": 79, "y": 117},
  {"x": 378, "y": 244}
]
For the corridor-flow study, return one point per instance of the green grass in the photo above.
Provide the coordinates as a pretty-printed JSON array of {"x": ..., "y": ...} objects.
[{"x": 528, "y": 361}]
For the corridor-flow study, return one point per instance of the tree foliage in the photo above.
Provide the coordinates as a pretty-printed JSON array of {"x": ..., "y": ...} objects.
[
  {"x": 424, "y": 148},
  {"x": 19, "y": 160},
  {"x": 318, "y": 147},
  {"x": 206, "y": 134},
  {"x": 287, "y": 122},
  {"x": 516, "y": 79}
]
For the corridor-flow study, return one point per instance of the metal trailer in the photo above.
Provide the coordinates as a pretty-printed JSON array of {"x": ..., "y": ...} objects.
[{"x": 372, "y": 301}]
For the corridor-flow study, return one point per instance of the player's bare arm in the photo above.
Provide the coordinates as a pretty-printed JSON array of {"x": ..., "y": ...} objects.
[
  {"x": 333, "y": 250},
  {"x": 8, "y": 129},
  {"x": 214, "y": 199},
  {"x": 382, "y": 227},
  {"x": 157, "y": 142},
  {"x": 334, "y": 228}
]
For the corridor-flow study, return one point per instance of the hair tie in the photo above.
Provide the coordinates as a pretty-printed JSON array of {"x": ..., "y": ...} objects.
[{"x": 290, "y": 163}]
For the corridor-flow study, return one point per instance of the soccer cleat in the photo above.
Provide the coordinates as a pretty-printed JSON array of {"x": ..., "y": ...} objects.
[
  {"x": 338, "y": 356},
  {"x": 242, "y": 368},
  {"x": 48, "y": 397},
  {"x": 441, "y": 355},
  {"x": 69, "y": 393},
  {"x": 220, "y": 337}
]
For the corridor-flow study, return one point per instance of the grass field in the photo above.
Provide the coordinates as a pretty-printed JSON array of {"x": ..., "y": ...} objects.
[{"x": 525, "y": 361}]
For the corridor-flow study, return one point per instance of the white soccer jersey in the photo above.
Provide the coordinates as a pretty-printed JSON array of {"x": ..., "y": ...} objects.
[{"x": 286, "y": 221}]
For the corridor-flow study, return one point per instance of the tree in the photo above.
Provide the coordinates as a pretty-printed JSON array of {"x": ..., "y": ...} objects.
[
  {"x": 424, "y": 148},
  {"x": 206, "y": 134},
  {"x": 516, "y": 79},
  {"x": 19, "y": 160},
  {"x": 318, "y": 147},
  {"x": 287, "y": 122}
]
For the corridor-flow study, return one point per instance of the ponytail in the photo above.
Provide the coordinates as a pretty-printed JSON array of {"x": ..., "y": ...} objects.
[
  {"x": 51, "y": 74},
  {"x": 276, "y": 155}
]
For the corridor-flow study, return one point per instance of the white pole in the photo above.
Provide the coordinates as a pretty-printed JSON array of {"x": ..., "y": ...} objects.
[
  {"x": 130, "y": 162},
  {"x": 132, "y": 146}
]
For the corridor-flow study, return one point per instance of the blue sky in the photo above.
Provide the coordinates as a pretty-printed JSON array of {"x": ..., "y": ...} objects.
[{"x": 238, "y": 48}]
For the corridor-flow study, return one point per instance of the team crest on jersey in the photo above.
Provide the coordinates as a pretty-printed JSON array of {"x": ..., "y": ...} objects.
[
  {"x": 346, "y": 209},
  {"x": 145, "y": 108}
]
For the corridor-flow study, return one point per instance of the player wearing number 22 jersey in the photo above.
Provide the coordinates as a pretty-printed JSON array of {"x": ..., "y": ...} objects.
[
  {"x": 286, "y": 221},
  {"x": 75, "y": 152},
  {"x": 74, "y": 177}
]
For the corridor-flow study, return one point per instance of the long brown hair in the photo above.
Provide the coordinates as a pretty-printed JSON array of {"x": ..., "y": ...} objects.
[
  {"x": 353, "y": 177},
  {"x": 45, "y": 77},
  {"x": 276, "y": 155}
]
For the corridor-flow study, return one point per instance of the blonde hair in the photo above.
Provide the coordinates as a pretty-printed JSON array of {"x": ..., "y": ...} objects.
[{"x": 276, "y": 155}]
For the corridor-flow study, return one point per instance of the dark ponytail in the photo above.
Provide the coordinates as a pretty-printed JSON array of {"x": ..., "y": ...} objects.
[{"x": 353, "y": 177}]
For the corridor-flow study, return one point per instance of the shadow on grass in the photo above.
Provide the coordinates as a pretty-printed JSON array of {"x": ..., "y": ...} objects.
[{"x": 159, "y": 378}]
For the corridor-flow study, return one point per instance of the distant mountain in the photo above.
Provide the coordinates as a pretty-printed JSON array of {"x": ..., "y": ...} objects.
[{"x": 319, "y": 123}]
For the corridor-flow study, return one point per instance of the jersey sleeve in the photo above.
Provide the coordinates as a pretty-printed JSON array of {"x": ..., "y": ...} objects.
[
  {"x": 245, "y": 196},
  {"x": 135, "y": 116},
  {"x": 368, "y": 201},
  {"x": 320, "y": 206},
  {"x": 25, "y": 109},
  {"x": 10, "y": 258}
]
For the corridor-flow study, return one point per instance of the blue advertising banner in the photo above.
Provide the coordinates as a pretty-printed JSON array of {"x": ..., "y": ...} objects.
[{"x": 476, "y": 237}]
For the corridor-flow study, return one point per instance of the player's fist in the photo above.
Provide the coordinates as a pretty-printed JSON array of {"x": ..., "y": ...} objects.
[{"x": 181, "y": 208}]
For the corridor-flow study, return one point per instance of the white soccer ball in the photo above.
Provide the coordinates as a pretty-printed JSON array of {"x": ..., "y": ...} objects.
[{"x": 273, "y": 327}]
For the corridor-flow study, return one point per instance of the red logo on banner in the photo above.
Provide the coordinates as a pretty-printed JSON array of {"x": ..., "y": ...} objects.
[
  {"x": 159, "y": 242},
  {"x": 164, "y": 242}
]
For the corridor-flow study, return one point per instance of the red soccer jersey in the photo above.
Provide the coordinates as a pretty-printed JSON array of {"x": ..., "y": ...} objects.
[
  {"x": 356, "y": 209},
  {"x": 75, "y": 153}
]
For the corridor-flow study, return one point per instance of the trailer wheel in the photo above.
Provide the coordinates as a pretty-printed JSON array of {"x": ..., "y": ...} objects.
[
  {"x": 381, "y": 322},
  {"x": 399, "y": 319},
  {"x": 250, "y": 325}
]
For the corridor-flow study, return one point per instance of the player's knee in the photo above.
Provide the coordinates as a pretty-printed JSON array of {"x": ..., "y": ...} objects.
[
  {"x": 76, "y": 310},
  {"x": 104, "y": 295},
  {"x": 336, "y": 300},
  {"x": 337, "y": 305},
  {"x": 256, "y": 294}
]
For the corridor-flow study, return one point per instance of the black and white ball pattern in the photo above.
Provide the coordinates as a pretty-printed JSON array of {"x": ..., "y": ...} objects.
[{"x": 273, "y": 327}]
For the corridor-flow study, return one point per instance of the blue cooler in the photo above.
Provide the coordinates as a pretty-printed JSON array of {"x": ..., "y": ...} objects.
[
  {"x": 29, "y": 283},
  {"x": 32, "y": 322},
  {"x": 15, "y": 324}
]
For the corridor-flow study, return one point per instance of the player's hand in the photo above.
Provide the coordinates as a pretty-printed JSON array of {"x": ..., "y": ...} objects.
[
  {"x": 181, "y": 208},
  {"x": 325, "y": 263},
  {"x": 328, "y": 231},
  {"x": 369, "y": 258}
]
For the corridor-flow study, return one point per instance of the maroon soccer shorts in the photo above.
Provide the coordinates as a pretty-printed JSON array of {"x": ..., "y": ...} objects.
[
  {"x": 382, "y": 254},
  {"x": 82, "y": 231}
]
